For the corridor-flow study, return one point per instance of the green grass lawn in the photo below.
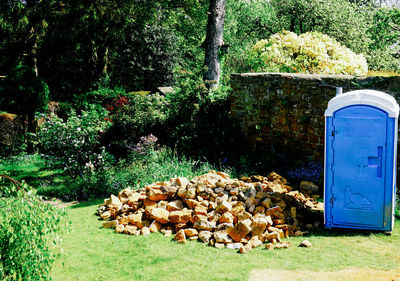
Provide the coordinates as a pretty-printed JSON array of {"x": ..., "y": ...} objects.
[
  {"x": 93, "y": 253},
  {"x": 33, "y": 170}
]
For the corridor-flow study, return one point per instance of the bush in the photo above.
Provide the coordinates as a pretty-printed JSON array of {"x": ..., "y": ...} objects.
[
  {"x": 145, "y": 58},
  {"x": 23, "y": 93},
  {"x": 29, "y": 231},
  {"x": 133, "y": 116},
  {"x": 101, "y": 96},
  {"x": 149, "y": 163},
  {"x": 75, "y": 144},
  {"x": 311, "y": 52}
]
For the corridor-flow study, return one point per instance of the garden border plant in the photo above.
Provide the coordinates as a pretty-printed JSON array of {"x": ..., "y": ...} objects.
[
  {"x": 29, "y": 232},
  {"x": 75, "y": 145}
]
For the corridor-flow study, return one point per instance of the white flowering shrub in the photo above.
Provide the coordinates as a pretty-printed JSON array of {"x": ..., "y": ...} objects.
[
  {"x": 75, "y": 143},
  {"x": 310, "y": 52}
]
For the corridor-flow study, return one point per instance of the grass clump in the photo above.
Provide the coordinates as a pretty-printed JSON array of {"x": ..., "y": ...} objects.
[{"x": 156, "y": 165}]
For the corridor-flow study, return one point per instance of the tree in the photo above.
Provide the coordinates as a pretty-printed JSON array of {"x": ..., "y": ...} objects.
[
  {"x": 24, "y": 93},
  {"x": 146, "y": 58},
  {"x": 213, "y": 42},
  {"x": 346, "y": 22},
  {"x": 23, "y": 26},
  {"x": 385, "y": 35},
  {"x": 246, "y": 22},
  {"x": 80, "y": 40}
]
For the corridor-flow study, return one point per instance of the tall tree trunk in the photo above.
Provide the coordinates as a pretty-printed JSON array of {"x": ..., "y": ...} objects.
[
  {"x": 214, "y": 40},
  {"x": 102, "y": 59},
  {"x": 31, "y": 47},
  {"x": 34, "y": 55},
  {"x": 35, "y": 21}
]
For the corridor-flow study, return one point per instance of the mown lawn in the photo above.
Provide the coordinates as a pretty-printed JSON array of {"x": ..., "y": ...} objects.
[{"x": 93, "y": 253}]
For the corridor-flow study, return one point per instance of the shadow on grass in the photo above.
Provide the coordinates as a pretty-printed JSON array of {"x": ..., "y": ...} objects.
[
  {"x": 37, "y": 176},
  {"x": 344, "y": 232},
  {"x": 89, "y": 203}
]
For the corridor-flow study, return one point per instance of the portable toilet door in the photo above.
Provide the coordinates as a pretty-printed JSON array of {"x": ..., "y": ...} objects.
[{"x": 360, "y": 160}]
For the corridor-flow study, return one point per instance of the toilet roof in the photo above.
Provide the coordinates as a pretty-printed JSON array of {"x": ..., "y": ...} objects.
[{"x": 364, "y": 97}]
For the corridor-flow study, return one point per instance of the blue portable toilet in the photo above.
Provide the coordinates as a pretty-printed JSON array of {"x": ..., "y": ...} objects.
[{"x": 360, "y": 160}]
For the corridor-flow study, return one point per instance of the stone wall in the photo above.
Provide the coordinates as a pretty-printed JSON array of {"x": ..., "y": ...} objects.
[{"x": 284, "y": 112}]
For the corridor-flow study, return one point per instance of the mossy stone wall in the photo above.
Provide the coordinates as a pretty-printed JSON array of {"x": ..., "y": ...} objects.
[{"x": 284, "y": 112}]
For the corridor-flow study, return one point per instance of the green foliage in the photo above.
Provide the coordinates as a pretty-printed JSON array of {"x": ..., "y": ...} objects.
[
  {"x": 72, "y": 60},
  {"x": 140, "y": 115},
  {"x": 75, "y": 144},
  {"x": 200, "y": 125},
  {"x": 385, "y": 34},
  {"x": 245, "y": 23},
  {"x": 133, "y": 43},
  {"x": 29, "y": 233},
  {"x": 23, "y": 25},
  {"x": 358, "y": 25},
  {"x": 23, "y": 93},
  {"x": 150, "y": 165},
  {"x": 101, "y": 96},
  {"x": 311, "y": 52},
  {"x": 140, "y": 45},
  {"x": 346, "y": 22},
  {"x": 146, "y": 58}
]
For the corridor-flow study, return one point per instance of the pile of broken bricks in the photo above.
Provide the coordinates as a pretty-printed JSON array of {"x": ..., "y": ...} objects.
[{"x": 213, "y": 208}]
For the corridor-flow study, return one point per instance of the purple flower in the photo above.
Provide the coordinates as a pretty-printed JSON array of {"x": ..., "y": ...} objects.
[
  {"x": 308, "y": 171},
  {"x": 145, "y": 144}
]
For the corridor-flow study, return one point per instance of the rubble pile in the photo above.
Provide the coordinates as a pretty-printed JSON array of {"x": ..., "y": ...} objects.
[{"x": 213, "y": 208}]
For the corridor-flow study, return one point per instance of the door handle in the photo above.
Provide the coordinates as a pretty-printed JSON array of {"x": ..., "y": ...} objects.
[
  {"x": 376, "y": 162},
  {"x": 379, "y": 172}
]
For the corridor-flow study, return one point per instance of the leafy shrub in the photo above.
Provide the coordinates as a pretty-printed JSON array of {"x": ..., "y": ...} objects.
[
  {"x": 146, "y": 57},
  {"x": 246, "y": 22},
  {"x": 23, "y": 93},
  {"x": 150, "y": 163},
  {"x": 101, "y": 96},
  {"x": 133, "y": 116},
  {"x": 198, "y": 123},
  {"x": 75, "y": 144},
  {"x": 29, "y": 231},
  {"x": 311, "y": 52}
]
